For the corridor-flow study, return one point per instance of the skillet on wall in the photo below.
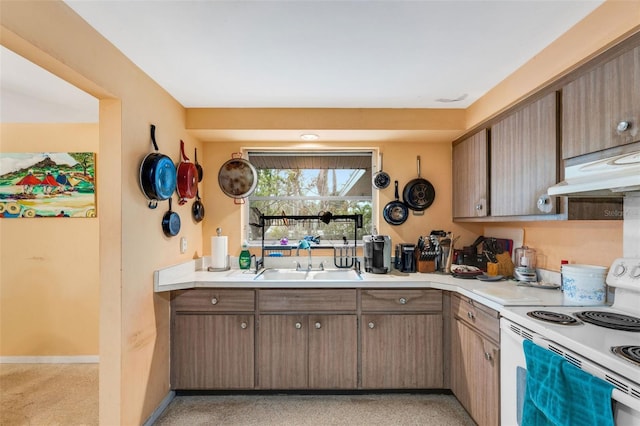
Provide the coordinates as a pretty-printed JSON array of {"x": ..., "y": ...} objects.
[
  {"x": 395, "y": 212},
  {"x": 237, "y": 177},
  {"x": 418, "y": 194},
  {"x": 157, "y": 175}
]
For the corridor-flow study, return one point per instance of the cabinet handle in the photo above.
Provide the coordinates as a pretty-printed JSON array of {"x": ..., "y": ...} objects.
[
  {"x": 623, "y": 126},
  {"x": 214, "y": 301},
  {"x": 318, "y": 325},
  {"x": 244, "y": 325},
  {"x": 470, "y": 315},
  {"x": 479, "y": 207},
  {"x": 371, "y": 325},
  {"x": 487, "y": 356},
  {"x": 298, "y": 325},
  {"x": 402, "y": 301}
]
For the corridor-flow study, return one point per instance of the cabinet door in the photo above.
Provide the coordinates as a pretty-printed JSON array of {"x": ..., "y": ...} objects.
[
  {"x": 282, "y": 352},
  {"x": 470, "y": 176},
  {"x": 212, "y": 352},
  {"x": 333, "y": 352},
  {"x": 401, "y": 351},
  {"x": 594, "y": 104},
  {"x": 475, "y": 376},
  {"x": 524, "y": 159}
]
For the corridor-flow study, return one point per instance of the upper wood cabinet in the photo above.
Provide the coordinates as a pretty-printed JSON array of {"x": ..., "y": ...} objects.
[
  {"x": 601, "y": 109},
  {"x": 470, "y": 176},
  {"x": 524, "y": 160}
]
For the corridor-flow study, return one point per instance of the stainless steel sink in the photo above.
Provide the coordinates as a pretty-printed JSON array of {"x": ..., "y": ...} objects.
[
  {"x": 335, "y": 275},
  {"x": 295, "y": 275},
  {"x": 281, "y": 275}
]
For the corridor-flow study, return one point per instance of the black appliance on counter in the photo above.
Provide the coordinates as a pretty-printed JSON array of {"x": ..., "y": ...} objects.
[
  {"x": 377, "y": 253},
  {"x": 406, "y": 257}
]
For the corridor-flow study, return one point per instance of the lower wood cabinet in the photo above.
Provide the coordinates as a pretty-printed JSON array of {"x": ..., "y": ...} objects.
[
  {"x": 327, "y": 339},
  {"x": 212, "y": 339},
  {"x": 401, "y": 337},
  {"x": 211, "y": 351},
  {"x": 475, "y": 360},
  {"x": 402, "y": 351},
  {"x": 307, "y": 352}
]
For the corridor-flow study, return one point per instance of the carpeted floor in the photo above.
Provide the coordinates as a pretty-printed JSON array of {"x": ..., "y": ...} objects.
[
  {"x": 48, "y": 394},
  {"x": 316, "y": 410},
  {"x": 67, "y": 395}
]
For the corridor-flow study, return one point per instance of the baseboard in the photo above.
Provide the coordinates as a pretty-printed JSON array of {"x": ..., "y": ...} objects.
[
  {"x": 73, "y": 359},
  {"x": 160, "y": 409}
]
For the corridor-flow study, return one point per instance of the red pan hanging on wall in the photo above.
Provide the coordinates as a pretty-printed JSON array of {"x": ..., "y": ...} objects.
[{"x": 187, "y": 180}]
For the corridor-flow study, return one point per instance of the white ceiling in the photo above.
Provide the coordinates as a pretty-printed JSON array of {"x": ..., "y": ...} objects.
[{"x": 340, "y": 54}]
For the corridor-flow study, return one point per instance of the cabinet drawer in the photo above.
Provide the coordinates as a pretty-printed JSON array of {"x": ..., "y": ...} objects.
[
  {"x": 478, "y": 316},
  {"x": 214, "y": 300},
  {"x": 401, "y": 300},
  {"x": 307, "y": 300}
]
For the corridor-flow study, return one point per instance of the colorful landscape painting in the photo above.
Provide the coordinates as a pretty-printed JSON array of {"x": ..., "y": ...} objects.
[{"x": 47, "y": 184}]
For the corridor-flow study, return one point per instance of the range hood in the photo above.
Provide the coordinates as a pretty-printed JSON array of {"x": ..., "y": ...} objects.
[{"x": 607, "y": 177}]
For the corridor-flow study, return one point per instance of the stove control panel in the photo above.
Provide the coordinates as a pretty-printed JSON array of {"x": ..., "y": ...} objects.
[{"x": 625, "y": 273}]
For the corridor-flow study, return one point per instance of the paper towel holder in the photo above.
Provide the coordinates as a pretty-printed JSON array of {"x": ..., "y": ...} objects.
[{"x": 227, "y": 263}]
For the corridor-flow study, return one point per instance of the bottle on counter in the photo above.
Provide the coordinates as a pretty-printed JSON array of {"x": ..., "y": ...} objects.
[
  {"x": 562, "y": 263},
  {"x": 245, "y": 257}
]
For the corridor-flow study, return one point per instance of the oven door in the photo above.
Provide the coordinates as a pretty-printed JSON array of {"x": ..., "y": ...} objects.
[
  {"x": 626, "y": 408},
  {"x": 512, "y": 375}
]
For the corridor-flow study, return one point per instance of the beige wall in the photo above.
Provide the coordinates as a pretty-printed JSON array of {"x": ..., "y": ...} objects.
[
  {"x": 399, "y": 161},
  {"x": 134, "y": 321},
  {"x": 49, "y": 281}
]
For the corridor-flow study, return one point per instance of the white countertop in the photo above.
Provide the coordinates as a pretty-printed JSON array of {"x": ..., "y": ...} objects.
[{"x": 496, "y": 295}]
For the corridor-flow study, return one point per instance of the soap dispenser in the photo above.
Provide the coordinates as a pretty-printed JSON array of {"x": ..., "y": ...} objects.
[{"x": 245, "y": 257}]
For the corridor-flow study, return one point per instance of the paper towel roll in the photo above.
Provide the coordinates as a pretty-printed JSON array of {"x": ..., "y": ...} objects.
[{"x": 219, "y": 252}]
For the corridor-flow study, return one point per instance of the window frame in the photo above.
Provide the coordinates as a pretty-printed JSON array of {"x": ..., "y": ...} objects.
[{"x": 375, "y": 161}]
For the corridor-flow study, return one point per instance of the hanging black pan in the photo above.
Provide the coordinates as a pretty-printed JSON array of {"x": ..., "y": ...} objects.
[
  {"x": 418, "y": 194},
  {"x": 381, "y": 179},
  {"x": 170, "y": 222},
  {"x": 395, "y": 212},
  {"x": 197, "y": 208}
]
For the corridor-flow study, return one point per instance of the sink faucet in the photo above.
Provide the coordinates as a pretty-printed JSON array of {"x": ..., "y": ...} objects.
[
  {"x": 304, "y": 244},
  {"x": 259, "y": 263}
]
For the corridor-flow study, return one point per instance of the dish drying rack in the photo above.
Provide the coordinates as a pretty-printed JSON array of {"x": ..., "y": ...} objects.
[{"x": 343, "y": 256}]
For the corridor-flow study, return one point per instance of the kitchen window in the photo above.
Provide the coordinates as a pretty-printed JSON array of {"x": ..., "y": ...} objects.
[{"x": 306, "y": 183}]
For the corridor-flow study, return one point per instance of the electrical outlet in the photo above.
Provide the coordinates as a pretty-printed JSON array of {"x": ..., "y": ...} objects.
[{"x": 183, "y": 245}]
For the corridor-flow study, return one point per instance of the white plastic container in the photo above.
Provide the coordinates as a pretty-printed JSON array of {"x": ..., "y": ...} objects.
[{"x": 584, "y": 284}]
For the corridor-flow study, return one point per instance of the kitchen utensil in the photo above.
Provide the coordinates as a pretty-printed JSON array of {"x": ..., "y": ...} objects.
[
  {"x": 395, "y": 212},
  {"x": 237, "y": 177},
  {"x": 157, "y": 175},
  {"x": 381, "y": 179},
  {"x": 418, "y": 194},
  {"x": 187, "y": 180},
  {"x": 171, "y": 222},
  {"x": 197, "y": 208},
  {"x": 198, "y": 166}
]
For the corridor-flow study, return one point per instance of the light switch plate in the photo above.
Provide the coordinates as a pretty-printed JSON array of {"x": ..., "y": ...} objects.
[{"x": 183, "y": 245}]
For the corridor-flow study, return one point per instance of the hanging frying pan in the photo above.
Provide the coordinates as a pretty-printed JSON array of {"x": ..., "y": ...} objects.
[
  {"x": 187, "y": 178},
  {"x": 157, "y": 175},
  {"x": 197, "y": 208},
  {"x": 170, "y": 222},
  {"x": 198, "y": 166},
  {"x": 237, "y": 177},
  {"x": 395, "y": 212},
  {"x": 381, "y": 179},
  {"x": 418, "y": 194}
]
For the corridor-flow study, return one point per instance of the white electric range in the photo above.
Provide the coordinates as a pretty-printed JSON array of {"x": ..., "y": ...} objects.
[{"x": 584, "y": 344}]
